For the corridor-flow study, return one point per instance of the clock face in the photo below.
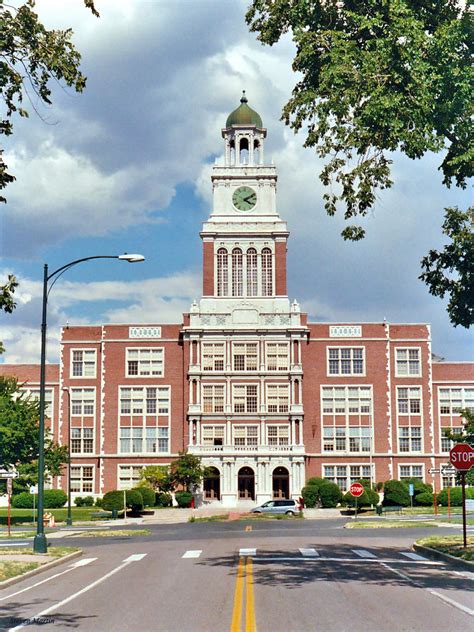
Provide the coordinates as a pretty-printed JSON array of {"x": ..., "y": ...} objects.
[{"x": 244, "y": 198}]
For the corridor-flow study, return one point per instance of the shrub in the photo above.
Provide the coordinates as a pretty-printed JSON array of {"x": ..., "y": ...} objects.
[
  {"x": 134, "y": 500},
  {"x": 98, "y": 502},
  {"x": 163, "y": 500},
  {"x": 79, "y": 501},
  {"x": 419, "y": 487},
  {"x": 88, "y": 501},
  {"x": 396, "y": 494},
  {"x": 22, "y": 501},
  {"x": 148, "y": 495},
  {"x": 330, "y": 494},
  {"x": 183, "y": 499},
  {"x": 113, "y": 500},
  {"x": 425, "y": 499},
  {"x": 310, "y": 496},
  {"x": 315, "y": 481},
  {"x": 369, "y": 497},
  {"x": 456, "y": 496},
  {"x": 54, "y": 498}
]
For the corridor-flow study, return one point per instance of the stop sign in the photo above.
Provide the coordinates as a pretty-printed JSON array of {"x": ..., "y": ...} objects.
[
  {"x": 356, "y": 489},
  {"x": 462, "y": 456}
]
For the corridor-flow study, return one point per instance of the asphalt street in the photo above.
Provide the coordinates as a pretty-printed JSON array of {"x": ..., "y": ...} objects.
[{"x": 282, "y": 575}]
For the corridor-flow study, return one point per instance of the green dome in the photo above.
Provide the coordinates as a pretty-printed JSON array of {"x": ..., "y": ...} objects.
[{"x": 244, "y": 115}]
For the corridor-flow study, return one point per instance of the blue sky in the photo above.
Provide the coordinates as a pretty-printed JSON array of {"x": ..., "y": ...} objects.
[{"x": 125, "y": 167}]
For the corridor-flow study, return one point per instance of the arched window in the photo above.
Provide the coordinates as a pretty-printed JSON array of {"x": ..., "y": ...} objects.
[
  {"x": 222, "y": 272},
  {"x": 244, "y": 151},
  {"x": 267, "y": 272},
  {"x": 252, "y": 278},
  {"x": 237, "y": 272}
]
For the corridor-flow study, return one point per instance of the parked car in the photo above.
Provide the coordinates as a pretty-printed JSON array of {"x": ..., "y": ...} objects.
[{"x": 288, "y": 507}]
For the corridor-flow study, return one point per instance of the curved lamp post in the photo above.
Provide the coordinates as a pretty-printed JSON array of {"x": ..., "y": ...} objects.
[{"x": 40, "y": 544}]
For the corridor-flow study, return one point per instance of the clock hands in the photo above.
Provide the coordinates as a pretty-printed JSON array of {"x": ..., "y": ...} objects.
[{"x": 251, "y": 199}]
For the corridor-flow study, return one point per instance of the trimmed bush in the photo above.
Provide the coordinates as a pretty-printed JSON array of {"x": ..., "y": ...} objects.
[
  {"x": 54, "y": 498},
  {"x": 456, "y": 496},
  {"x": 22, "y": 501},
  {"x": 78, "y": 501},
  {"x": 330, "y": 494},
  {"x": 163, "y": 500},
  {"x": 98, "y": 502},
  {"x": 134, "y": 500},
  {"x": 113, "y": 500},
  {"x": 315, "y": 481},
  {"x": 88, "y": 501},
  {"x": 310, "y": 496},
  {"x": 396, "y": 494},
  {"x": 148, "y": 495},
  {"x": 425, "y": 499},
  {"x": 184, "y": 499},
  {"x": 368, "y": 498}
]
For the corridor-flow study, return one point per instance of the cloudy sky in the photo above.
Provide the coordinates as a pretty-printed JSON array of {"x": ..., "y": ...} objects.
[{"x": 125, "y": 167}]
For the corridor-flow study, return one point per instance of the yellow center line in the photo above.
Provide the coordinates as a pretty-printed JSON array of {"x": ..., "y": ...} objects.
[
  {"x": 250, "y": 605},
  {"x": 238, "y": 597}
]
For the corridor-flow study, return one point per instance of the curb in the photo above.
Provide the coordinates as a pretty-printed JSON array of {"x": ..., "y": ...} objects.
[
  {"x": 444, "y": 557},
  {"x": 40, "y": 569}
]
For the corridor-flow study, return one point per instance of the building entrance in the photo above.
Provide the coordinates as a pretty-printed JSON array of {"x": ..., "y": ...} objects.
[
  {"x": 246, "y": 483},
  {"x": 281, "y": 483},
  {"x": 212, "y": 484}
]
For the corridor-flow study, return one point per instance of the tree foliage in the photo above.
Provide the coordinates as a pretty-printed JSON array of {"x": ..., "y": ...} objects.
[
  {"x": 158, "y": 477},
  {"x": 465, "y": 436},
  {"x": 7, "y": 304},
  {"x": 451, "y": 270},
  {"x": 187, "y": 471}
]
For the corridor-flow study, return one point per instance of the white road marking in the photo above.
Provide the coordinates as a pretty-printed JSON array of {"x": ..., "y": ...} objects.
[
  {"x": 309, "y": 553},
  {"x": 343, "y": 559},
  {"x": 58, "y": 605},
  {"x": 8, "y": 544},
  {"x": 363, "y": 553},
  {"x": 414, "y": 556},
  {"x": 83, "y": 562},
  {"x": 192, "y": 554},
  {"x": 247, "y": 551}
]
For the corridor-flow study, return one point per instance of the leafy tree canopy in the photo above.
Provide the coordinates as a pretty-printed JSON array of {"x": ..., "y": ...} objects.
[
  {"x": 7, "y": 304},
  {"x": 158, "y": 476},
  {"x": 187, "y": 471},
  {"x": 466, "y": 436}
]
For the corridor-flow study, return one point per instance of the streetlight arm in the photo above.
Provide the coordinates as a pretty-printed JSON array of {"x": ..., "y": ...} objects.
[{"x": 73, "y": 263}]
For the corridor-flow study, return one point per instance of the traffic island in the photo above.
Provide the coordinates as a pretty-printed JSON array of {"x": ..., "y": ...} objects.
[
  {"x": 112, "y": 533},
  {"x": 448, "y": 549},
  {"x": 389, "y": 524},
  {"x": 17, "y": 564}
]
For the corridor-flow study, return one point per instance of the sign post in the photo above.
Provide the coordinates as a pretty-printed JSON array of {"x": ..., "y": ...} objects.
[
  {"x": 462, "y": 457},
  {"x": 356, "y": 490},
  {"x": 411, "y": 491}
]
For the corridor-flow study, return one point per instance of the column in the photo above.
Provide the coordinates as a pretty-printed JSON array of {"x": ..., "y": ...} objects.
[{"x": 190, "y": 426}]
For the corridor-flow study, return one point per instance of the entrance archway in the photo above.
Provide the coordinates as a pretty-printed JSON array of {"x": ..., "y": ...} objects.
[
  {"x": 281, "y": 483},
  {"x": 246, "y": 483},
  {"x": 212, "y": 484}
]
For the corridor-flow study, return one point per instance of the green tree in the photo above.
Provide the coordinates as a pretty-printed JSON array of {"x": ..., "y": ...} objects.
[
  {"x": 158, "y": 476},
  {"x": 466, "y": 436},
  {"x": 7, "y": 304},
  {"x": 376, "y": 77},
  {"x": 187, "y": 471},
  {"x": 19, "y": 430}
]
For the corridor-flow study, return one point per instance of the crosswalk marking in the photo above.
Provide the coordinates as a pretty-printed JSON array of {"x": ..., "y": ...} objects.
[
  {"x": 309, "y": 552},
  {"x": 84, "y": 562},
  {"x": 247, "y": 552},
  {"x": 193, "y": 554},
  {"x": 136, "y": 557},
  {"x": 363, "y": 553},
  {"x": 414, "y": 556}
]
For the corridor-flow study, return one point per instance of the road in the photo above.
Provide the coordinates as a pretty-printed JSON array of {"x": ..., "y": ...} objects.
[{"x": 279, "y": 576}]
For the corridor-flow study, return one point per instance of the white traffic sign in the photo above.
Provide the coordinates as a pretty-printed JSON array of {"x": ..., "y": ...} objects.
[
  {"x": 34, "y": 489},
  {"x": 434, "y": 470},
  {"x": 4, "y": 474}
]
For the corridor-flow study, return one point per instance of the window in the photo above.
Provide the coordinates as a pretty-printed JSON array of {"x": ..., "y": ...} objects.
[
  {"x": 82, "y": 440},
  {"x": 449, "y": 480},
  {"x": 141, "y": 400},
  {"x": 222, "y": 272},
  {"x": 48, "y": 398},
  {"x": 244, "y": 356},
  {"x": 345, "y": 475},
  {"x": 409, "y": 438},
  {"x": 346, "y": 361},
  {"x": 277, "y": 356},
  {"x": 129, "y": 476},
  {"x": 407, "y": 362},
  {"x": 409, "y": 401},
  {"x": 246, "y": 436},
  {"x": 237, "y": 272},
  {"x": 245, "y": 398},
  {"x": 267, "y": 272},
  {"x": 151, "y": 439},
  {"x": 447, "y": 444},
  {"x": 144, "y": 362},
  {"x": 213, "y": 398},
  {"x": 213, "y": 435},
  {"x": 278, "y": 396},
  {"x": 346, "y": 400},
  {"x": 83, "y": 363},
  {"x": 82, "y": 402},
  {"x": 213, "y": 356},
  {"x": 346, "y": 439},
  {"x": 82, "y": 479},
  {"x": 252, "y": 276},
  {"x": 278, "y": 435},
  {"x": 451, "y": 400},
  {"x": 411, "y": 471}
]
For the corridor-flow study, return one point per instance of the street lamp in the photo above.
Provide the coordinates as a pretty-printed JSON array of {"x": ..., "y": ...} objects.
[
  {"x": 40, "y": 544},
  {"x": 69, "y": 511}
]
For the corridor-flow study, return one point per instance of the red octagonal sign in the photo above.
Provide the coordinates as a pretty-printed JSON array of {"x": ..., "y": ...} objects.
[
  {"x": 356, "y": 489},
  {"x": 462, "y": 456}
]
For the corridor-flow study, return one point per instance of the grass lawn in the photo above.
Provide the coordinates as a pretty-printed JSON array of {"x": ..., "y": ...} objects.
[
  {"x": 209, "y": 518},
  {"x": 24, "y": 516},
  {"x": 416, "y": 511},
  {"x": 13, "y": 568},
  {"x": 469, "y": 521},
  {"x": 117, "y": 533},
  {"x": 388, "y": 524},
  {"x": 452, "y": 544}
]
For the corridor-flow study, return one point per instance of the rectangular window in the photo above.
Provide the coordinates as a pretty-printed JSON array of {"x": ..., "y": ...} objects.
[
  {"x": 213, "y": 356},
  {"x": 129, "y": 476},
  {"x": 409, "y": 401},
  {"x": 447, "y": 444},
  {"x": 346, "y": 400},
  {"x": 213, "y": 435},
  {"x": 82, "y": 479},
  {"x": 346, "y": 361},
  {"x": 407, "y": 362},
  {"x": 451, "y": 400},
  {"x": 83, "y": 362},
  {"x": 409, "y": 438},
  {"x": 345, "y": 475},
  {"x": 141, "y": 400},
  {"x": 245, "y": 398},
  {"x": 411, "y": 471},
  {"x": 246, "y": 436},
  {"x": 449, "y": 480},
  {"x": 346, "y": 439},
  {"x": 278, "y": 435},
  {"x": 48, "y": 398},
  {"x": 278, "y": 397},
  {"x": 213, "y": 398},
  {"x": 151, "y": 439},
  {"x": 82, "y": 440},
  {"x": 82, "y": 402},
  {"x": 144, "y": 362},
  {"x": 277, "y": 356},
  {"x": 244, "y": 356}
]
